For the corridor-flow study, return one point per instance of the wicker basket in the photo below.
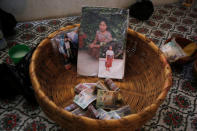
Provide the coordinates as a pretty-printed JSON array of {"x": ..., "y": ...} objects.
[{"x": 147, "y": 80}]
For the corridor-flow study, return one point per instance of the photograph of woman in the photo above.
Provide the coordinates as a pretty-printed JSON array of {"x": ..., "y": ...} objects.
[{"x": 102, "y": 38}]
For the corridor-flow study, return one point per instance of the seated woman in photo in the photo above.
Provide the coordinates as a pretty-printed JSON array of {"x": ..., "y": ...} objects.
[{"x": 102, "y": 36}]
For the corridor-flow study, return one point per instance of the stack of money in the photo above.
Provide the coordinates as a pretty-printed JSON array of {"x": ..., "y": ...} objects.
[
  {"x": 103, "y": 115},
  {"x": 84, "y": 98},
  {"x": 100, "y": 85},
  {"x": 99, "y": 101},
  {"x": 71, "y": 107},
  {"x": 111, "y": 85},
  {"x": 106, "y": 99},
  {"x": 78, "y": 111},
  {"x": 80, "y": 87},
  {"x": 93, "y": 111},
  {"x": 124, "y": 111}
]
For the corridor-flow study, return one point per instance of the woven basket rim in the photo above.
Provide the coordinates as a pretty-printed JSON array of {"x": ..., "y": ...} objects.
[{"x": 150, "y": 109}]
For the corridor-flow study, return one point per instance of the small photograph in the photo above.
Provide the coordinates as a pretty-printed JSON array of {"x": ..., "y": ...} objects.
[
  {"x": 102, "y": 41},
  {"x": 110, "y": 67},
  {"x": 66, "y": 43}
]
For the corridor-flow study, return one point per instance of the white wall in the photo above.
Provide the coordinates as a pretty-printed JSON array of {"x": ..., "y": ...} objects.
[{"x": 25, "y": 10}]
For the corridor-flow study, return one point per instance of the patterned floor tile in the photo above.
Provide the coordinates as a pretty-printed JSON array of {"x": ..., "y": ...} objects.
[
  {"x": 194, "y": 30},
  {"x": 12, "y": 43},
  {"x": 192, "y": 15},
  {"x": 183, "y": 103},
  {"x": 26, "y": 26},
  {"x": 143, "y": 30},
  {"x": 178, "y": 13},
  {"x": 193, "y": 125},
  {"x": 192, "y": 37},
  {"x": 135, "y": 22},
  {"x": 38, "y": 40},
  {"x": 157, "y": 17},
  {"x": 12, "y": 120},
  {"x": 1, "y": 110},
  {"x": 10, "y": 103},
  {"x": 172, "y": 119},
  {"x": 187, "y": 21},
  {"x": 54, "y": 22},
  {"x": 195, "y": 107},
  {"x": 166, "y": 26},
  {"x": 159, "y": 33},
  {"x": 28, "y": 109},
  {"x": 183, "y": 29},
  {"x": 163, "y": 12},
  {"x": 27, "y": 37},
  {"x": 189, "y": 88},
  {"x": 172, "y": 19},
  {"x": 151, "y": 24},
  {"x": 156, "y": 40},
  {"x": 38, "y": 123},
  {"x": 56, "y": 128},
  {"x": 71, "y": 20},
  {"x": 175, "y": 34},
  {"x": 42, "y": 30}
]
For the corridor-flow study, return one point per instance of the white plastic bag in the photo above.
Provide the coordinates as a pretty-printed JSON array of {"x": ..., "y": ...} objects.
[{"x": 173, "y": 51}]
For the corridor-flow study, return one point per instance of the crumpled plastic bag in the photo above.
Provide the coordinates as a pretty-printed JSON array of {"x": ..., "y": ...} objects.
[{"x": 173, "y": 51}]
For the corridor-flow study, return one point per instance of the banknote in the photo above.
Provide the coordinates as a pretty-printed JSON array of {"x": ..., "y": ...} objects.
[
  {"x": 103, "y": 115},
  {"x": 90, "y": 84},
  {"x": 173, "y": 51},
  {"x": 94, "y": 113},
  {"x": 106, "y": 99},
  {"x": 85, "y": 97},
  {"x": 124, "y": 111},
  {"x": 101, "y": 86},
  {"x": 119, "y": 101},
  {"x": 111, "y": 85},
  {"x": 71, "y": 107},
  {"x": 114, "y": 115},
  {"x": 78, "y": 111},
  {"x": 101, "y": 111},
  {"x": 78, "y": 88}
]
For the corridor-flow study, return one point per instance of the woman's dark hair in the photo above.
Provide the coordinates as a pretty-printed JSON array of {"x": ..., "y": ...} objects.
[
  {"x": 109, "y": 46},
  {"x": 65, "y": 36},
  {"x": 105, "y": 23},
  {"x": 104, "y": 20}
]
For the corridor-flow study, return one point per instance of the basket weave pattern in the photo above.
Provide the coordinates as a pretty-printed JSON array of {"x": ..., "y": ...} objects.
[{"x": 147, "y": 80}]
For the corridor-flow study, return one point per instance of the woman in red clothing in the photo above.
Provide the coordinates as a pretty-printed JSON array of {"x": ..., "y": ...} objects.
[
  {"x": 109, "y": 58},
  {"x": 102, "y": 35}
]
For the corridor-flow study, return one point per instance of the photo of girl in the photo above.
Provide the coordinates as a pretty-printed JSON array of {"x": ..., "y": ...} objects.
[
  {"x": 109, "y": 58},
  {"x": 102, "y": 38}
]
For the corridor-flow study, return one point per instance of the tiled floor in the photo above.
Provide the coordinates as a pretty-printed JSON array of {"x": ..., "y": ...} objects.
[{"x": 179, "y": 110}]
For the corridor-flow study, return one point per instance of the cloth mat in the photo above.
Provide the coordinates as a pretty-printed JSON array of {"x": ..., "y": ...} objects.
[{"x": 179, "y": 110}]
